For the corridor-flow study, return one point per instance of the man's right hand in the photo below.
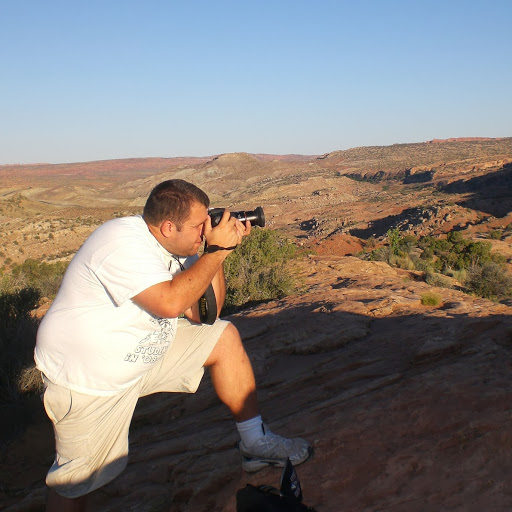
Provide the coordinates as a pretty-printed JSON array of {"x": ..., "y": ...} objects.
[{"x": 228, "y": 233}]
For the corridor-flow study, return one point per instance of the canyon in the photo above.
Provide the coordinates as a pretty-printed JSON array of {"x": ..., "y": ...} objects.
[{"x": 407, "y": 405}]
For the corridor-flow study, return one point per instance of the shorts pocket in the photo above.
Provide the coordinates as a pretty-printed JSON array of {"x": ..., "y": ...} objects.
[{"x": 57, "y": 402}]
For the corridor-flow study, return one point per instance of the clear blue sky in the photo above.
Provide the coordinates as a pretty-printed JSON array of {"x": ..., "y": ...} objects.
[{"x": 95, "y": 80}]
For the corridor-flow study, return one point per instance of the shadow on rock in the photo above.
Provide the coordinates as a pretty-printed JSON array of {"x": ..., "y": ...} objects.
[{"x": 490, "y": 193}]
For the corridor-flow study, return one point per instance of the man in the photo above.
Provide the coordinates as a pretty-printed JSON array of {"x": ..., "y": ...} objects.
[{"x": 114, "y": 333}]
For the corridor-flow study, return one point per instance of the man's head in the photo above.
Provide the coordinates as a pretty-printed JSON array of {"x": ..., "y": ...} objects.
[
  {"x": 176, "y": 212},
  {"x": 172, "y": 200}
]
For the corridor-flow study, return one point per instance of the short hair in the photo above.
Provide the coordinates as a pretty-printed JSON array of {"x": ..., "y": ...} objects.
[{"x": 172, "y": 199}]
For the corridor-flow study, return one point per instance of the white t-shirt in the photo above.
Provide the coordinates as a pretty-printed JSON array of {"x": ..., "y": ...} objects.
[{"x": 94, "y": 339}]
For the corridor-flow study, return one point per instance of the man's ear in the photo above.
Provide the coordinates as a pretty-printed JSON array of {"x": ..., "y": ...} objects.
[{"x": 168, "y": 228}]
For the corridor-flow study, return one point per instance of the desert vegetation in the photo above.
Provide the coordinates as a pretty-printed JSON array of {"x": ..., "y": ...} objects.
[
  {"x": 20, "y": 293},
  {"x": 441, "y": 210},
  {"x": 39, "y": 275},
  {"x": 431, "y": 299},
  {"x": 445, "y": 260},
  {"x": 259, "y": 269},
  {"x": 17, "y": 335}
]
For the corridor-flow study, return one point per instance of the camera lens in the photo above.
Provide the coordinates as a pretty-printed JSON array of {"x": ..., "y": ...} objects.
[{"x": 256, "y": 217}]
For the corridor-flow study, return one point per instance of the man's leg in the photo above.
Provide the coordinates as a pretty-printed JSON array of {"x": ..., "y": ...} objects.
[
  {"x": 232, "y": 375},
  {"x": 91, "y": 434},
  {"x": 233, "y": 380},
  {"x": 220, "y": 348}
]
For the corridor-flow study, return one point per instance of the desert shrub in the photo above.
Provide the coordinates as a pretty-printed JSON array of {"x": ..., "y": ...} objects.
[
  {"x": 29, "y": 380},
  {"x": 380, "y": 254},
  {"x": 258, "y": 270},
  {"x": 20, "y": 292},
  {"x": 469, "y": 262},
  {"x": 436, "y": 279},
  {"x": 18, "y": 330},
  {"x": 371, "y": 242},
  {"x": 45, "y": 277},
  {"x": 394, "y": 240},
  {"x": 407, "y": 243},
  {"x": 431, "y": 299},
  {"x": 456, "y": 253},
  {"x": 459, "y": 275},
  {"x": 427, "y": 253},
  {"x": 490, "y": 280},
  {"x": 421, "y": 264},
  {"x": 405, "y": 262},
  {"x": 496, "y": 234},
  {"x": 478, "y": 253}
]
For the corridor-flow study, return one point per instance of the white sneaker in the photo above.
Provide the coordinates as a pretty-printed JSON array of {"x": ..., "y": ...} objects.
[{"x": 273, "y": 450}]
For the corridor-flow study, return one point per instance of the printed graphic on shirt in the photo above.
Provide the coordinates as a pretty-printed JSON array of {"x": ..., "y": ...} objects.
[{"x": 155, "y": 344}]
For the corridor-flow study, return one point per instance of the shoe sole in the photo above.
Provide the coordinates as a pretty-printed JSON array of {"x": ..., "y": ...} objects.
[{"x": 251, "y": 465}]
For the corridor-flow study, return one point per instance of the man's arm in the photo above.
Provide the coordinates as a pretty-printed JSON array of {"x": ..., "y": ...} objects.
[{"x": 170, "y": 299}]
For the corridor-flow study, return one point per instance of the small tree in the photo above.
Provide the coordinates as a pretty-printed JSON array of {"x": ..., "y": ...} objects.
[
  {"x": 394, "y": 241},
  {"x": 257, "y": 270},
  {"x": 490, "y": 280}
]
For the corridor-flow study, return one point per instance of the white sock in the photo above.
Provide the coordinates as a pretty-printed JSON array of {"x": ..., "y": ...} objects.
[{"x": 251, "y": 430}]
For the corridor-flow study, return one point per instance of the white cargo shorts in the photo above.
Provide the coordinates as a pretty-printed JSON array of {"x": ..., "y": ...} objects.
[{"x": 91, "y": 432}]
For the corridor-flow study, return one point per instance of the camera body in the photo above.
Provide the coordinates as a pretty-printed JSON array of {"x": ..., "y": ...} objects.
[{"x": 256, "y": 217}]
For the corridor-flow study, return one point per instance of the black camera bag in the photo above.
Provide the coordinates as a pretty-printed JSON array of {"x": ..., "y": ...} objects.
[{"x": 266, "y": 498}]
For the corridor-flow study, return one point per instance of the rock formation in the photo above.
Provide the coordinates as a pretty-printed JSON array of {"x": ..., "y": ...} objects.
[{"x": 407, "y": 406}]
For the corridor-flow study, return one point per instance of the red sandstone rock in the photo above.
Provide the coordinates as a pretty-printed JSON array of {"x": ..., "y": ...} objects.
[{"x": 407, "y": 406}]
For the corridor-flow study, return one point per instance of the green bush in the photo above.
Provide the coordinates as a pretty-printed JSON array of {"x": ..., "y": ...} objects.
[
  {"x": 18, "y": 330},
  {"x": 436, "y": 279},
  {"x": 459, "y": 275},
  {"x": 456, "y": 256},
  {"x": 431, "y": 299},
  {"x": 427, "y": 253},
  {"x": 405, "y": 262},
  {"x": 422, "y": 264},
  {"x": 380, "y": 254},
  {"x": 394, "y": 240},
  {"x": 456, "y": 252},
  {"x": 496, "y": 234},
  {"x": 258, "y": 270},
  {"x": 407, "y": 243},
  {"x": 490, "y": 280},
  {"x": 20, "y": 292},
  {"x": 45, "y": 277}
]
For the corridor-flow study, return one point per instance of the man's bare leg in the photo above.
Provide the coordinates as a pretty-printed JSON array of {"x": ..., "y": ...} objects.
[
  {"x": 234, "y": 382},
  {"x": 58, "y": 503},
  {"x": 232, "y": 375}
]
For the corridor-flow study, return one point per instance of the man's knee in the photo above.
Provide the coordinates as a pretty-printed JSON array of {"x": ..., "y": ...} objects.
[
  {"x": 228, "y": 344},
  {"x": 91, "y": 440},
  {"x": 80, "y": 477},
  {"x": 231, "y": 333}
]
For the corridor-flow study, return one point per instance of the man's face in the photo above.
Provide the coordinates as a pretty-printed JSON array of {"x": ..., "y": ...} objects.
[{"x": 187, "y": 240}]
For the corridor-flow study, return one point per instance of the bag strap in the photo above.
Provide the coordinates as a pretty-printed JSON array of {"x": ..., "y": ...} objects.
[{"x": 208, "y": 306}]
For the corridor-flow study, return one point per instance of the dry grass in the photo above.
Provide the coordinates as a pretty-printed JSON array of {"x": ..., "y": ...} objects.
[
  {"x": 431, "y": 299},
  {"x": 30, "y": 381}
]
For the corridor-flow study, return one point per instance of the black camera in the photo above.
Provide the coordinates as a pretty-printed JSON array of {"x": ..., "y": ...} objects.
[{"x": 256, "y": 217}]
